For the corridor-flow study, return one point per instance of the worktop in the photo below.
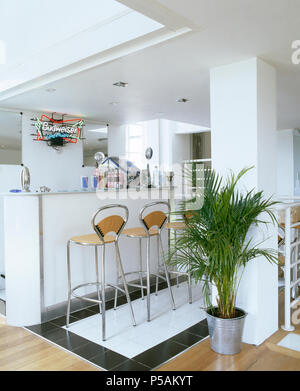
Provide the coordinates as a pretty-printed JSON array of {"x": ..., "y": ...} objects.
[{"x": 37, "y": 227}]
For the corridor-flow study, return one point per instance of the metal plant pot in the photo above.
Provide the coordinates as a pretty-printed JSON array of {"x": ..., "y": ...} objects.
[{"x": 226, "y": 334}]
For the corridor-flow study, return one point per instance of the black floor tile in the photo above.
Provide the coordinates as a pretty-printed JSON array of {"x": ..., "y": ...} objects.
[
  {"x": 43, "y": 328},
  {"x": 109, "y": 305},
  {"x": 55, "y": 334},
  {"x": 186, "y": 339},
  {"x": 122, "y": 300},
  {"x": 198, "y": 329},
  {"x": 159, "y": 354},
  {"x": 61, "y": 321},
  {"x": 131, "y": 365},
  {"x": 94, "y": 309},
  {"x": 134, "y": 295},
  {"x": 71, "y": 341},
  {"x": 204, "y": 323},
  {"x": 108, "y": 360},
  {"x": 81, "y": 314},
  {"x": 89, "y": 350},
  {"x": 169, "y": 348}
]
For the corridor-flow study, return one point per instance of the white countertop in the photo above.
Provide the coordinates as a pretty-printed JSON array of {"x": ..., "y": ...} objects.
[{"x": 34, "y": 193}]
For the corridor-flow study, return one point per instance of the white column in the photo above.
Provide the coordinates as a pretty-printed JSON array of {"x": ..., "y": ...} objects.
[{"x": 243, "y": 125}]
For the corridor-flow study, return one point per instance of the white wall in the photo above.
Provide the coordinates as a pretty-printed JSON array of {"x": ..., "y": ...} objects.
[
  {"x": 288, "y": 162},
  {"x": 10, "y": 156},
  {"x": 117, "y": 145},
  {"x": 175, "y": 142},
  {"x": 9, "y": 179},
  {"x": 296, "y": 168},
  {"x": 285, "y": 162},
  {"x": 169, "y": 140},
  {"x": 116, "y": 140}
]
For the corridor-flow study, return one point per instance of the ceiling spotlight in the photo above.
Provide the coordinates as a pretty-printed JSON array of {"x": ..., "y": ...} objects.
[
  {"x": 120, "y": 84},
  {"x": 51, "y": 89},
  {"x": 114, "y": 103},
  {"x": 182, "y": 100}
]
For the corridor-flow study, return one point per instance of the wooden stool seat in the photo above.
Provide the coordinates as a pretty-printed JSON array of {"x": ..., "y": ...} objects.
[
  {"x": 139, "y": 232},
  {"x": 92, "y": 239},
  {"x": 175, "y": 225}
]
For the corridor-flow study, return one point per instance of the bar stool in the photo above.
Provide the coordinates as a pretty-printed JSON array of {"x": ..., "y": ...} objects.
[
  {"x": 177, "y": 226},
  {"x": 152, "y": 225},
  {"x": 107, "y": 231}
]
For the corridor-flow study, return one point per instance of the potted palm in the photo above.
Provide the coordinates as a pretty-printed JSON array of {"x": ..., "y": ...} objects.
[{"x": 216, "y": 248}]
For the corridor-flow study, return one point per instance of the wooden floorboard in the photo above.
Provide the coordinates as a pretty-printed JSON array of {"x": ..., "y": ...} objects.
[
  {"x": 266, "y": 357},
  {"x": 20, "y": 350}
]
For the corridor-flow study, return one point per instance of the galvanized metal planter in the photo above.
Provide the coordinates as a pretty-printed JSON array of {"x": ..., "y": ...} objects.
[{"x": 226, "y": 334}]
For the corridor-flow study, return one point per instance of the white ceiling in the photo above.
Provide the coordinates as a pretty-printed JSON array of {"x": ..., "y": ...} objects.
[
  {"x": 229, "y": 31},
  {"x": 46, "y": 40}
]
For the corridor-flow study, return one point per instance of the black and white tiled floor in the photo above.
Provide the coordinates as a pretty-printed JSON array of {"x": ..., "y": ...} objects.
[{"x": 141, "y": 348}]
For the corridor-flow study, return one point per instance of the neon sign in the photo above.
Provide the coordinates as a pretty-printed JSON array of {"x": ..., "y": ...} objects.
[{"x": 58, "y": 132}]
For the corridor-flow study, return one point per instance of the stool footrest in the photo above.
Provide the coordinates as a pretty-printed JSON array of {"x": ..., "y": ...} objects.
[
  {"x": 91, "y": 284},
  {"x": 86, "y": 298},
  {"x": 144, "y": 286},
  {"x": 117, "y": 287},
  {"x": 137, "y": 286},
  {"x": 177, "y": 272},
  {"x": 142, "y": 272}
]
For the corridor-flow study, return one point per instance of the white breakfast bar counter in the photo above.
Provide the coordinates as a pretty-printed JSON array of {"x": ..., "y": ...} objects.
[{"x": 37, "y": 227}]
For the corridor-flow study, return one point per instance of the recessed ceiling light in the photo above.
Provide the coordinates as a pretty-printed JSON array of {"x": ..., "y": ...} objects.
[
  {"x": 182, "y": 100},
  {"x": 114, "y": 103},
  {"x": 120, "y": 84},
  {"x": 51, "y": 89}
]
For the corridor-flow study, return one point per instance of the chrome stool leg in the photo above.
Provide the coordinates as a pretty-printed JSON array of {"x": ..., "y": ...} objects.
[
  {"x": 158, "y": 266},
  {"x": 103, "y": 291},
  {"x": 141, "y": 267},
  {"x": 177, "y": 276},
  {"x": 148, "y": 278},
  {"x": 167, "y": 275},
  {"x": 69, "y": 284},
  {"x": 189, "y": 281},
  {"x": 97, "y": 279},
  {"x": 124, "y": 282},
  {"x": 117, "y": 283},
  {"x": 156, "y": 286}
]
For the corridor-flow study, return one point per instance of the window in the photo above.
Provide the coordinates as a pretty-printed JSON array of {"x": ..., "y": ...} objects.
[{"x": 134, "y": 144}]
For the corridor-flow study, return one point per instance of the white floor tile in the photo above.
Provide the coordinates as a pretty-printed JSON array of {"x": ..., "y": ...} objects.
[
  {"x": 291, "y": 341},
  {"x": 130, "y": 341}
]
